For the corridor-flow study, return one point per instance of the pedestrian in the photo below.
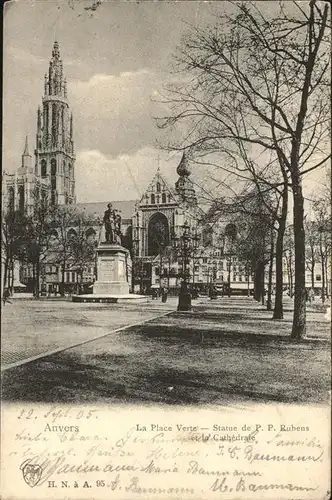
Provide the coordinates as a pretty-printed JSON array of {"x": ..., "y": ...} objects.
[
  {"x": 311, "y": 295},
  {"x": 164, "y": 294},
  {"x": 5, "y": 296},
  {"x": 306, "y": 295}
]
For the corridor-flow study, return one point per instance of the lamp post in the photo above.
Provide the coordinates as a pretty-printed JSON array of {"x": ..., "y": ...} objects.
[{"x": 185, "y": 244}]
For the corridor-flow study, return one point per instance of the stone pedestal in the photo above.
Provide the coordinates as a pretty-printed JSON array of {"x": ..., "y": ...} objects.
[
  {"x": 111, "y": 286},
  {"x": 111, "y": 270}
]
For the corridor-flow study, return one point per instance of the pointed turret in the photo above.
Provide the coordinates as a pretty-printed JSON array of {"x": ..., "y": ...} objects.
[
  {"x": 26, "y": 157},
  {"x": 26, "y": 147},
  {"x": 184, "y": 186}
]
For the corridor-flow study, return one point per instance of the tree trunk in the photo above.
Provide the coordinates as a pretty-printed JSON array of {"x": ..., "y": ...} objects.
[
  {"x": 323, "y": 267},
  {"x": 259, "y": 282},
  {"x": 299, "y": 316},
  {"x": 62, "y": 284},
  {"x": 269, "y": 289},
  {"x": 327, "y": 294},
  {"x": 313, "y": 273},
  {"x": 278, "y": 312},
  {"x": 37, "y": 288},
  {"x": 263, "y": 285},
  {"x": 11, "y": 282},
  {"x": 5, "y": 273}
]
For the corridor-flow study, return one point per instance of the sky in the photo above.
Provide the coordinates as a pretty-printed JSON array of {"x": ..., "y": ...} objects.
[{"x": 117, "y": 61}]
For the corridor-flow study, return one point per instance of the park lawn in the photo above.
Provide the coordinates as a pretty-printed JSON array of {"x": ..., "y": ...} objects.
[{"x": 212, "y": 355}]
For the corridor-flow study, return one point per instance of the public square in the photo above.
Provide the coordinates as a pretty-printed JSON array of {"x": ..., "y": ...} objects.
[{"x": 226, "y": 351}]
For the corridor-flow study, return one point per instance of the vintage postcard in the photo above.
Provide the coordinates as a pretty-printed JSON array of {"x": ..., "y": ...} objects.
[{"x": 166, "y": 250}]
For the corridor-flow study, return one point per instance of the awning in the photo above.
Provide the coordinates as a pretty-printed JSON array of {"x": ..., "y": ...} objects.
[{"x": 19, "y": 285}]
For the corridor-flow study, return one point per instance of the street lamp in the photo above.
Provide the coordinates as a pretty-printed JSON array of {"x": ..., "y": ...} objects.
[{"x": 185, "y": 244}]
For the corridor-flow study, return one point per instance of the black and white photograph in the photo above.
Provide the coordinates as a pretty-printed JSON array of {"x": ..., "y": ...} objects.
[{"x": 166, "y": 250}]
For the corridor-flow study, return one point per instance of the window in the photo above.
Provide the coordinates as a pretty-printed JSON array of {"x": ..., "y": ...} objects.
[
  {"x": 158, "y": 187},
  {"x": 53, "y": 167},
  {"x": 153, "y": 201},
  {"x": 205, "y": 260},
  {"x": 68, "y": 277},
  {"x": 318, "y": 277},
  {"x": 11, "y": 198},
  {"x": 43, "y": 168},
  {"x": 90, "y": 234},
  {"x": 73, "y": 276},
  {"x": 21, "y": 198},
  {"x": 71, "y": 234},
  {"x": 163, "y": 198},
  {"x": 158, "y": 199}
]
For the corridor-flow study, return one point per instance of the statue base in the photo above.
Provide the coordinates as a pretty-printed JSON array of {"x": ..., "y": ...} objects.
[
  {"x": 111, "y": 270},
  {"x": 112, "y": 286}
]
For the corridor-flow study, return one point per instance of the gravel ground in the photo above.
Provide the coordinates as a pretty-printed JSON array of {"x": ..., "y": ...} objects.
[{"x": 224, "y": 352}]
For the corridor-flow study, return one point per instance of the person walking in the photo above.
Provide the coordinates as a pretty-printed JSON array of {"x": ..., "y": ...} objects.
[
  {"x": 5, "y": 296},
  {"x": 164, "y": 294}
]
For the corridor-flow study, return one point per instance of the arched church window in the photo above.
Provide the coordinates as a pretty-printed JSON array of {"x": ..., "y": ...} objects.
[
  {"x": 158, "y": 234},
  {"x": 169, "y": 198},
  {"x": 21, "y": 198},
  {"x": 230, "y": 231},
  {"x": 43, "y": 168},
  {"x": 11, "y": 198},
  {"x": 158, "y": 199},
  {"x": 71, "y": 233},
  {"x": 91, "y": 234},
  {"x": 158, "y": 187},
  {"x": 163, "y": 198},
  {"x": 153, "y": 199}
]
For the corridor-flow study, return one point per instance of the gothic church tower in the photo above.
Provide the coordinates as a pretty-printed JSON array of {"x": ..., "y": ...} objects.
[{"x": 54, "y": 153}]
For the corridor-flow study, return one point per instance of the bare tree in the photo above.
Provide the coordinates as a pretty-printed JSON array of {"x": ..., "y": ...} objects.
[
  {"x": 260, "y": 81},
  {"x": 15, "y": 239},
  {"x": 81, "y": 247},
  {"x": 66, "y": 224}
]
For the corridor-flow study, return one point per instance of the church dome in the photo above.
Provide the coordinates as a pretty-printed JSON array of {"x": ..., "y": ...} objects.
[{"x": 183, "y": 169}]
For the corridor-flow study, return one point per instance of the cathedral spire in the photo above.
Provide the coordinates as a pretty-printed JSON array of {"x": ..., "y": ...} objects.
[
  {"x": 54, "y": 82},
  {"x": 55, "y": 152},
  {"x": 26, "y": 147}
]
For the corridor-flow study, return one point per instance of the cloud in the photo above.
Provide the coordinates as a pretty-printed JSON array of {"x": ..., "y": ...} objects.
[
  {"x": 101, "y": 177},
  {"x": 24, "y": 57},
  {"x": 115, "y": 112}
]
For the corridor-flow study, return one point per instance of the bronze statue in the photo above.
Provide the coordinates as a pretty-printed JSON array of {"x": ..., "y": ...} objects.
[
  {"x": 112, "y": 222},
  {"x": 108, "y": 219}
]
